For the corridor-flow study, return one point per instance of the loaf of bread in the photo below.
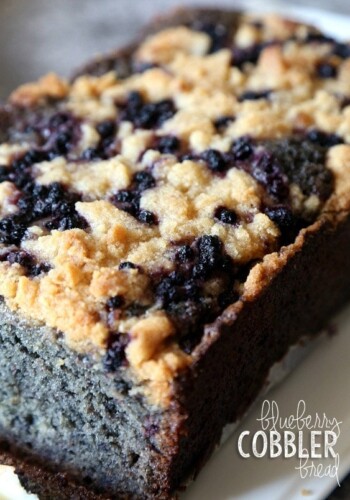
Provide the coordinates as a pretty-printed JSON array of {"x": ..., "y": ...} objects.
[{"x": 172, "y": 220}]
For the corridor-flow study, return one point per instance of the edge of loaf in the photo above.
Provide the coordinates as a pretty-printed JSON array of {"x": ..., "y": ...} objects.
[{"x": 215, "y": 389}]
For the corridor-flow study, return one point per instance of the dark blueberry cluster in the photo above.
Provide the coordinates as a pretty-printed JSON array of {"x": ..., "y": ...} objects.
[
  {"x": 302, "y": 161},
  {"x": 49, "y": 132},
  {"x": 251, "y": 95},
  {"x": 55, "y": 202},
  {"x": 146, "y": 115},
  {"x": 115, "y": 302},
  {"x": 242, "y": 148},
  {"x": 242, "y": 56},
  {"x": 211, "y": 257},
  {"x": 12, "y": 229},
  {"x": 266, "y": 170},
  {"x": 42, "y": 127},
  {"x": 115, "y": 355},
  {"x": 105, "y": 146},
  {"x": 93, "y": 153},
  {"x": 106, "y": 129},
  {"x": 53, "y": 134},
  {"x": 218, "y": 162},
  {"x": 288, "y": 223},
  {"x": 217, "y": 32},
  {"x": 174, "y": 287},
  {"x": 143, "y": 180},
  {"x": 226, "y": 215},
  {"x": 52, "y": 204},
  {"x": 27, "y": 261},
  {"x": 167, "y": 144},
  {"x": 185, "y": 253},
  {"x": 316, "y": 37},
  {"x": 189, "y": 317},
  {"x": 146, "y": 217},
  {"x": 70, "y": 219},
  {"x": 323, "y": 139},
  {"x": 215, "y": 160},
  {"x": 57, "y": 134},
  {"x": 221, "y": 123},
  {"x": 341, "y": 50},
  {"x": 326, "y": 70},
  {"x": 20, "y": 170},
  {"x": 182, "y": 292},
  {"x": 129, "y": 199}
]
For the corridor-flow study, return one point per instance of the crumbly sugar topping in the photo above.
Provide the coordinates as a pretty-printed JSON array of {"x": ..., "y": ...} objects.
[{"x": 132, "y": 210}]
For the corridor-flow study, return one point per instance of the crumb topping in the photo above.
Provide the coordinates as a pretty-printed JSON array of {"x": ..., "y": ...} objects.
[{"x": 133, "y": 209}]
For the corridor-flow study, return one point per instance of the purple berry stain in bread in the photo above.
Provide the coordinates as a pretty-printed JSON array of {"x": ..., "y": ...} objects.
[
  {"x": 146, "y": 115},
  {"x": 115, "y": 355}
]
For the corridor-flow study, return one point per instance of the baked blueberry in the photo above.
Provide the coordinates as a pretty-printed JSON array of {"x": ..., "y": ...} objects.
[
  {"x": 326, "y": 70},
  {"x": 226, "y": 215},
  {"x": 115, "y": 302},
  {"x": 214, "y": 160}
]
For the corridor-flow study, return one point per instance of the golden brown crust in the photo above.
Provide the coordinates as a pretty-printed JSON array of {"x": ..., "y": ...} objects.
[{"x": 49, "y": 86}]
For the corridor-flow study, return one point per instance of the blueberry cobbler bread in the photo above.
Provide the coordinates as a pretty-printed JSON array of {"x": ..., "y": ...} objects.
[{"x": 171, "y": 221}]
